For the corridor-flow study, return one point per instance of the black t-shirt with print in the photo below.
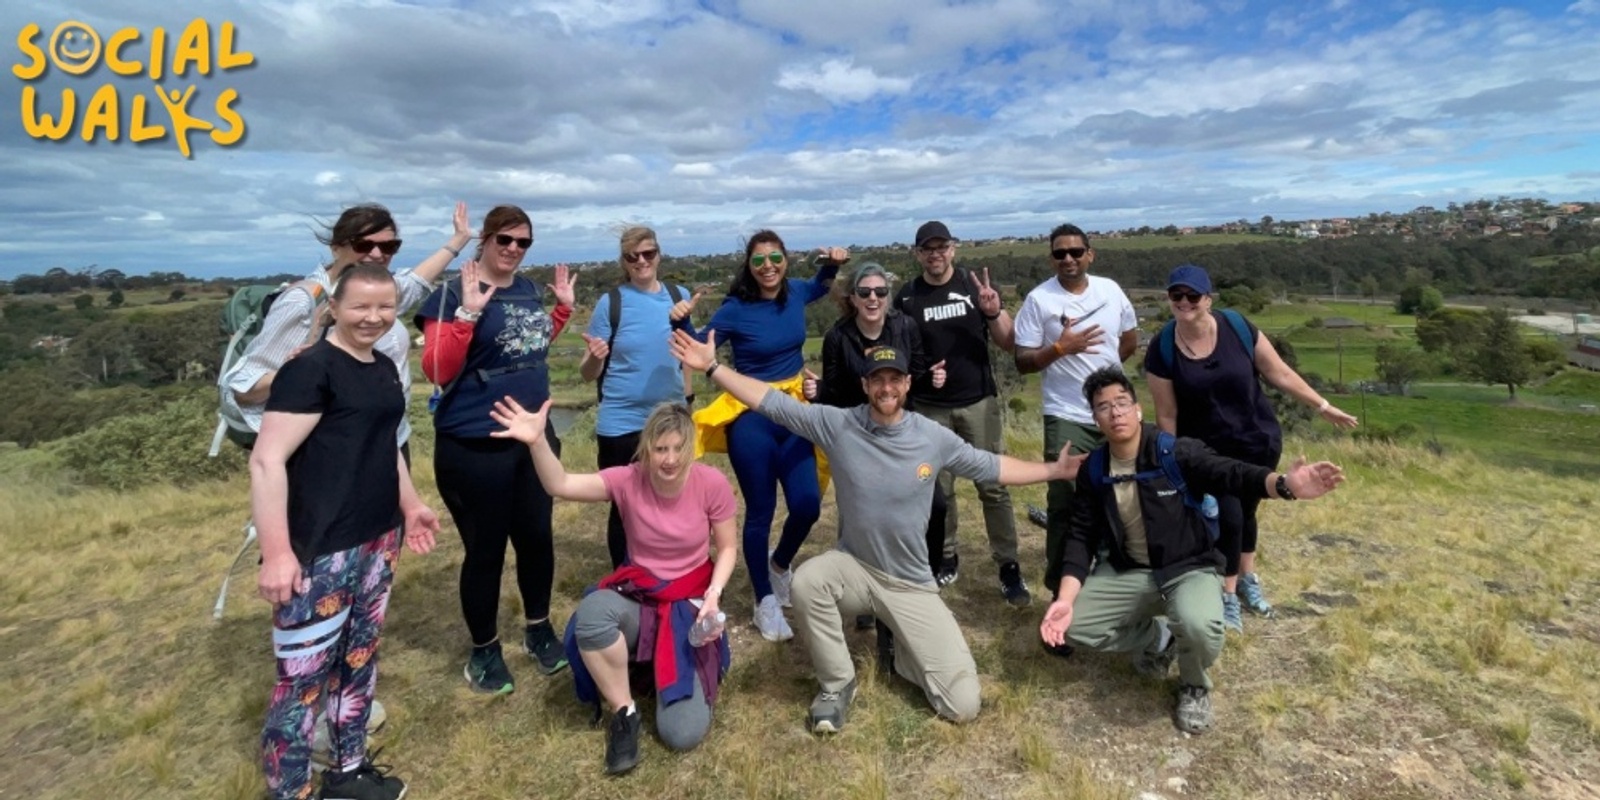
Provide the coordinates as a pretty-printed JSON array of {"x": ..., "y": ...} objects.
[
  {"x": 953, "y": 331},
  {"x": 344, "y": 485}
]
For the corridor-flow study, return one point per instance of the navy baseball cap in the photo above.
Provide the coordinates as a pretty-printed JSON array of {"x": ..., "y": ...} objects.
[{"x": 1191, "y": 276}]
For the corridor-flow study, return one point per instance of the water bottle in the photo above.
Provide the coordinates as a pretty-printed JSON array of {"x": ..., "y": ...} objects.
[
  {"x": 707, "y": 629},
  {"x": 1208, "y": 507}
]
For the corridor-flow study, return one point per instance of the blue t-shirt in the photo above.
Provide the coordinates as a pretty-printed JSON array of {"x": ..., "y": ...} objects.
[
  {"x": 506, "y": 356},
  {"x": 642, "y": 373},
  {"x": 1220, "y": 398},
  {"x": 767, "y": 338}
]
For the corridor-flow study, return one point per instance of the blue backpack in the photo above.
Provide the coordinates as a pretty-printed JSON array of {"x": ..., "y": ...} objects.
[
  {"x": 1164, "y": 342},
  {"x": 1099, "y": 466}
]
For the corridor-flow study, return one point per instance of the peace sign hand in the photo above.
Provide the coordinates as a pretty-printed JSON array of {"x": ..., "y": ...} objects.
[{"x": 988, "y": 297}]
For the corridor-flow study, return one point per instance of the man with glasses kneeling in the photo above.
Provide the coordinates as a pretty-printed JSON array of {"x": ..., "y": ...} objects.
[{"x": 1143, "y": 503}]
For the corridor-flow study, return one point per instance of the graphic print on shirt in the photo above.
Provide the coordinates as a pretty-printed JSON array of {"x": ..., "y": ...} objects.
[
  {"x": 949, "y": 310},
  {"x": 525, "y": 332}
]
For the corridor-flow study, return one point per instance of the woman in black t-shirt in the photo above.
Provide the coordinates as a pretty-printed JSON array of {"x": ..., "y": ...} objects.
[{"x": 331, "y": 497}]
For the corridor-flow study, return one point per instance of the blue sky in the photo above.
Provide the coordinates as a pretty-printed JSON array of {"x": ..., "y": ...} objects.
[{"x": 832, "y": 121}]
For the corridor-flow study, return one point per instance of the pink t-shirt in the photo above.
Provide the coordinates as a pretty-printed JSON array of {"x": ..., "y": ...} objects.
[{"x": 669, "y": 535}]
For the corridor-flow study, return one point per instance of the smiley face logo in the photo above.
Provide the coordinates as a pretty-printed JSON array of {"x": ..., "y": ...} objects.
[
  {"x": 74, "y": 47},
  {"x": 924, "y": 472}
]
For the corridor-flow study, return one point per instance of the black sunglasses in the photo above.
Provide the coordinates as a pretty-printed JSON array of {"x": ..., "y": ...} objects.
[
  {"x": 1178, "y": 294},
  {"x": 864, "y": 292},
  {"x": 642, "y": 255},
  {"x": 364, "y": 246},
  {"x": 1061, "y": 253},
  {"x": 505, "y": 240}
]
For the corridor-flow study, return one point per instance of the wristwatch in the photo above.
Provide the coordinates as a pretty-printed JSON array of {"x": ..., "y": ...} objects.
[
  {"x": 1283, "y": 487},
  {"x": 467, "y": 316}
]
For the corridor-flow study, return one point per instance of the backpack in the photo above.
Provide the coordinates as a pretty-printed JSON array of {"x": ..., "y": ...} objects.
[
  {"x": 615, "y": 317},
  {"x": 242, "y": 318},
  {"x": 1164, "y": 340},
  {"x": 1099, "y": 466}
]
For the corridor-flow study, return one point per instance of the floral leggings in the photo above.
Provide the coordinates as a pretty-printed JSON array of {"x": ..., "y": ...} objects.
[{"x": 326, "y": 643}]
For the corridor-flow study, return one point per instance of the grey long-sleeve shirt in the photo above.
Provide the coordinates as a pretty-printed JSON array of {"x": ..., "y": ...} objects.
[{"x": 884, "y": 477}]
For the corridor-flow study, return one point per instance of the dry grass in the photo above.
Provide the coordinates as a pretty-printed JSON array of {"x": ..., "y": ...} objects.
[{"x": 1439, "y": 637}]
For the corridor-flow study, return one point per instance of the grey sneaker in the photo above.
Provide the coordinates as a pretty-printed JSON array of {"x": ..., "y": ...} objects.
[
  {"x": 781, "y": 581},
  {"x": 1252, "y": 598},
  {"x": 1012, "y": 585},
  {"x": 1232, "y": 619},
  {"x": 1155, "y": 665},
  {"x": 770, "y": 621},
  {"x": 829, "y": 709},
  {"x": 1194, "y": 710}
]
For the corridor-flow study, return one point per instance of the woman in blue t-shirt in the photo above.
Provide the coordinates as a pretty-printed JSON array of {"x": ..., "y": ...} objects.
[
  {"x": 1210, "y": 390},
  {"x": 486, "y": 336},
  {"x": 763, "y": 322}
]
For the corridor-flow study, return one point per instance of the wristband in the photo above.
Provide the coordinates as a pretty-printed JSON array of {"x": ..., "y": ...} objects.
[
  {"x": 989, "y": 318},
  {"x": 1283, "y": 487},
  {"x": 1324, "y": 407},
  {"x": 1056, "y": 346},
  {"x": 451, "y": 250},
  {"x": 712, "y": 367},
  {"x": 464, "y": 315}
]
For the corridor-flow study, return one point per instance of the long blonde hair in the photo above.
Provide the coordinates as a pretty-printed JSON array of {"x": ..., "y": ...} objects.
[{"x": 665, "y": 418}]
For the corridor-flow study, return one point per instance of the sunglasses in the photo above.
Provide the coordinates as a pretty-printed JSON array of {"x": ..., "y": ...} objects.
[
  {"x": 505, "y": 240},
  {"x": 865, "y": 292},
  {"x": 930, "y": 249},
  {"x": 1061, "y": 253},
  {"x": 774, "y": 258},
  {"x": 364, "y": 246},
  {"x": 642, "y": 255},
  {"x": 1178, "y": 294}
]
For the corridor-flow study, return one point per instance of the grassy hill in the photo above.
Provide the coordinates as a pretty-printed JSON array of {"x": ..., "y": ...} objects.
[{"x": 1438, "y": 638}]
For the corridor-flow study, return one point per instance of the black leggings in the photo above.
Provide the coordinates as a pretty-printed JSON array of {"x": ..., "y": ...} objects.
[
  {"x": 495, "y": 496},
  {"x": 616, "y": 451},
  {"x": 1237, "y": 517}
]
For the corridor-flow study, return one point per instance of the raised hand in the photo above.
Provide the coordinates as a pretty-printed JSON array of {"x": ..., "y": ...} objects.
[
  {"x": 599, "y": 349},
  {"x": 473, "y": 295},
  {"x": 694, "y": 354},
  {"x": 988, "y": 297},
  {"x": 563, "y": 288},
  {"x": 422, "y": 525},
  {"x": 808, "y": 387},
  {"x": 684, "y": 308},
  {"x": 1073, "y": 342},
  {"x": 937, "y": 374},
  {"x": 517, "y": 422},
  {"x": 837, "y": 255},
  {"x": 463, "y": 232},
  {"x": 1310, "y": 481}
]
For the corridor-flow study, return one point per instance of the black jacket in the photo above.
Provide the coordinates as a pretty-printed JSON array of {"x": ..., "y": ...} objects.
[
  {"x": 1176, "y": 533},
  {"x": 844, "y": 355}
]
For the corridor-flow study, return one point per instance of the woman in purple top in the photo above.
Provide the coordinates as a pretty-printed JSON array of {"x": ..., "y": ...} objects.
[{"x": 1208, "y": 386}]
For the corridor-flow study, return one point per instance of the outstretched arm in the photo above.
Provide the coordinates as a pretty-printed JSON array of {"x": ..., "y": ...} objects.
[
  {"x": 1016, "y": 472},
  {"x": 702, "y": 357},
  {"x": 528, "y": 427}
]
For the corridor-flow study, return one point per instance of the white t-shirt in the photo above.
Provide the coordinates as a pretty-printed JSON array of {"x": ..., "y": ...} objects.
[{"x": 1039, "y": 324}]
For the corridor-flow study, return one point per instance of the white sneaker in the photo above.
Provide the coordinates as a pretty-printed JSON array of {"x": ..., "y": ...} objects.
[
  {"x": 770, "y": 621},
  {"x": 781, "y": 579},
  {"x": 322, "y": 739}
]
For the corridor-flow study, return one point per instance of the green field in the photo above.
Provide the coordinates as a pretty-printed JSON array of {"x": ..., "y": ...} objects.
[{"x": 1037, "y": 248}]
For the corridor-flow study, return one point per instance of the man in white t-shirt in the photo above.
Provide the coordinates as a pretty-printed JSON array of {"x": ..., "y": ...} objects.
[{"x": 1070, "y": 326}]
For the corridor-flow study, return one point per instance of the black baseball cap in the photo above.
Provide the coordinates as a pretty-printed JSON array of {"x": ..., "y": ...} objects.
[
  {"x": 933, "y": 230},
  {"x": 885, "y": 358}
]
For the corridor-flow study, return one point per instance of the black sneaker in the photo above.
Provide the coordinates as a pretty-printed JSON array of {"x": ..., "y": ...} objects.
[
  {"x": 367, "y": 782},
  {"x": 885, "y": 648},
  {"x": 539, "y": 641},
  {"x": 622, "y": 741},
  {"x": 486, "y": 671},
  {"x": 1038, "y": 516},
  {"x": 1012, "y": 585},
  {"x": 949, "y": 570},
  {"x": 864, "y": 622}
]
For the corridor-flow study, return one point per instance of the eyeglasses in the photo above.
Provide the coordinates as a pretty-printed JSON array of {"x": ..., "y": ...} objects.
[
  {"x": 1178, "y": 294},
  {"x": 1061, "y": 253},
  {"x": 642, "y": 255},
  {"x": 505, "y": 240},
  {"x": 774, "y": 258},
  {"x": 865, "y": 292},
  {"x": 364, "y": 246},
  {"x": 1115, "y": 408},
  {"x": 930, "y": 249}
]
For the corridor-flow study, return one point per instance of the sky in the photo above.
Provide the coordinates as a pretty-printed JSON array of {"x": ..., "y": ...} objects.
[{"x": 830, "y": 121}]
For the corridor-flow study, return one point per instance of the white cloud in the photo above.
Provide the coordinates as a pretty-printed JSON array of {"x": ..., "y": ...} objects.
[
  {"x": 839, "y": 81},
  {"x": 327, "y": 178}
]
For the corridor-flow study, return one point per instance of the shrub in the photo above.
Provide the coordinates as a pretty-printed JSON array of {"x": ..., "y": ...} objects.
[
  {"x": 1314, "y": 322},
  {"x": 164, "y": 446}
]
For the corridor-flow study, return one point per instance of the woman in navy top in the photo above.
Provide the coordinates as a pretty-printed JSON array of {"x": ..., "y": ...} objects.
[
  {"x": 763, "y": 322},
  {"x": 1209, "y": 388}
]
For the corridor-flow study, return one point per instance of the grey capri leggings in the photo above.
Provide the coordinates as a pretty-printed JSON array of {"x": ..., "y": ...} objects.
[{"x": 604, "y": 615}]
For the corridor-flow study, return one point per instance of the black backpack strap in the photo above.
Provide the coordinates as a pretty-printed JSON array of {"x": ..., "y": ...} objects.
[{"x": 614, "y": 316}]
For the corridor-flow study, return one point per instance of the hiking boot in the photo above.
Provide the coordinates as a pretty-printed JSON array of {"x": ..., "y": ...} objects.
[
  {"x": 622, "y": 741},
  {"x": 1012, "y": 585},
  {"x": 1037, "y": 516},
  {"x": 781, "y": 580},
  {"x": 949, "y": 570},
  {"x": 864, "y": 622},
  {"x": 1194, "y": 710},
  {"x": 486, "y": 671},
  {"x": 539, "y": 640},
  {"x": 322, "y": 739},
  {"x": 1232, "y": 619},
  {"x": 770, "y": 621},
  {"x": 1154, "y": 665},
  {"x": 885, "y": 648},
  {"x": 829, "y": 709},
  {"x": 1252, "y": 598},
  {"x": 367, "y": 782}
]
